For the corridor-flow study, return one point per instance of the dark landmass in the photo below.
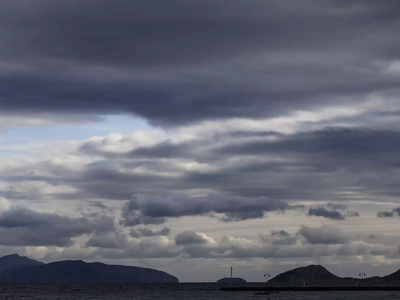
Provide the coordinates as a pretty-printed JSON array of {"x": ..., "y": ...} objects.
[
  {"x": 80, "y": 271},
  {"x": 234, "y": 279},
  {"x": 14, "y": 262},
  {"x": 316, "y": 275}
]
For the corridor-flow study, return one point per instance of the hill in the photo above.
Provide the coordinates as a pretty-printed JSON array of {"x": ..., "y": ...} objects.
[
  {"x": 316, "y": 275},
  {"x": 79, "y": 271},
  {"x": 234, "y": 279},
  {"x": 14, "y": 262},
  {"x": 392, "y": 279}
]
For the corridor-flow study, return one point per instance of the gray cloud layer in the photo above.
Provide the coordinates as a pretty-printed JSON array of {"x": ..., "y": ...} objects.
[
  {"x": 389, "y": 214},
  {"x": 188, "y": 238},
  {"x": 331, "y": 213},
  {"x": 323, "y": 212},
  {"x": 193, "y": 60},
  {"x": 146, "y": 232},
  {"x": 155, "y": 209},
  {"x": 326, "y": 164},
  {"x": 323, "y": 235},
  {"x": 23, "y": 227}
]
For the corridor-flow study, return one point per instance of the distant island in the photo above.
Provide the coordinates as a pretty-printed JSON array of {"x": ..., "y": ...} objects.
[
  {"x": 316, "y": 275},
  {"x": 15, "y": 268},
  {"x": 234, "y": 279}
]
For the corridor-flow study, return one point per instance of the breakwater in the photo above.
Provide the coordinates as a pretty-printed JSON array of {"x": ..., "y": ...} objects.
[{"x": 308, "y": 288}]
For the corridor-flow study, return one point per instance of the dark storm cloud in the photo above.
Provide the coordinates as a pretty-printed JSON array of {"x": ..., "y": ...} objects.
[
  {"x": 188, "y": 238},
  {"x": 155, "y": 209},
  {"x": 323, "y": 212},
  {"x": 23, "y": 227},
  {"x": 330, "y": 213},
  {"x": 323, "y": 235},
  {"x": 340, "y": 143},
  {"x": 185, "y": 61},
  {"x": 389, "y": 214},
  {"x": 146, "y": 232}
]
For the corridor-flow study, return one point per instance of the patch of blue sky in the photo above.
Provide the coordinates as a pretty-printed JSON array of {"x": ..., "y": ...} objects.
[{"x": 15, "y": 137}]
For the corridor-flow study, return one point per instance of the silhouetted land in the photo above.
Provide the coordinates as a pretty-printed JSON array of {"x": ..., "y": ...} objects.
[
  {"x": 318, "y": 278},
  {"x": 14, "y": 262},
  {"x": 316, "y": 275},
  {"x": 21, "y": 269}
]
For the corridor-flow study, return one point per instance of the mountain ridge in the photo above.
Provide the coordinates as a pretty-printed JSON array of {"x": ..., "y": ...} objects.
[
  {"x": 80, "y": 271},
  {"x": 14, "y": 262}
]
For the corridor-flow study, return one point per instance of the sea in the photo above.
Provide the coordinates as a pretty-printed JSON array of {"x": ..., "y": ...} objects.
[{"x": 166, "y": 291}]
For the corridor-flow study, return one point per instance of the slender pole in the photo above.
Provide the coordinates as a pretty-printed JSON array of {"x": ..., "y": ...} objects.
[
  {"x": 266, "y": 275},
  {"x": 231, "y": 283},
  {"x": 362, "y": 276}
]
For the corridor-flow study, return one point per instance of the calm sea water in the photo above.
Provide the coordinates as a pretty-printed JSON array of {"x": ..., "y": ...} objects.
[{"x": 192, "y": 291}]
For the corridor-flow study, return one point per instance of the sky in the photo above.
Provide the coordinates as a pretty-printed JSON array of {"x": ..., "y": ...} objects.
[{"x": 195, "y": 135}]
